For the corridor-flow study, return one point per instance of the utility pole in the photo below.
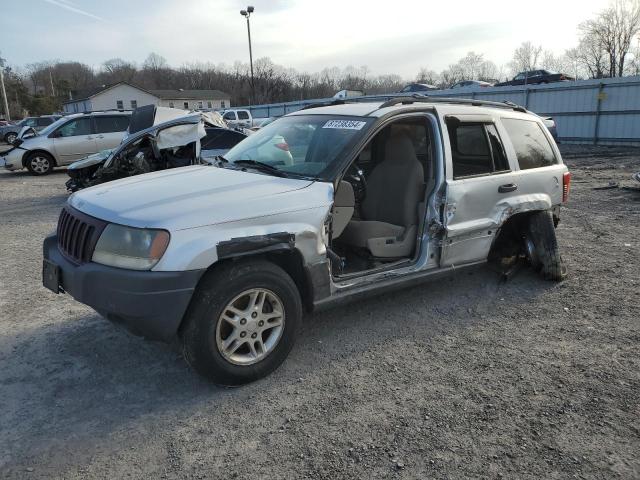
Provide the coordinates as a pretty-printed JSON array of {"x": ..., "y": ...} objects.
[
  {"x": 4, "y": 92},
  {"x": 247, "y": 13},
  {"x": 53, "y": 90}
]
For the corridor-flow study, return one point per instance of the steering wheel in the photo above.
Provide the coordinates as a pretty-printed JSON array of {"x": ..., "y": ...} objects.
[{"x": 355, "y": 176}]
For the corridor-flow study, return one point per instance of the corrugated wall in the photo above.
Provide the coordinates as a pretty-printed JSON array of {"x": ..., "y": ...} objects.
[{"x": 603, "y": 112}]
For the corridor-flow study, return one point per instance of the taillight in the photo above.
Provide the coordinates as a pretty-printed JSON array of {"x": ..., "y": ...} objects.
[
  {"x": 283, "y": 146},
  {"x": 566, "y": 183}
]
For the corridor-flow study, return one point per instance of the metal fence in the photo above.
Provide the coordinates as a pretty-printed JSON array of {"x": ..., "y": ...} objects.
[{"x": 599, "y": 112}]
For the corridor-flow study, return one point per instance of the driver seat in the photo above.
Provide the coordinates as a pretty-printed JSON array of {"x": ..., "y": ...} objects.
[{"x": 389, "y": 223}]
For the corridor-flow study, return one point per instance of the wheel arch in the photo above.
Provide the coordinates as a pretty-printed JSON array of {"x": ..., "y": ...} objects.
[
  {"x": 28, "y": 153},
  {"x": 289, "y": 259}
]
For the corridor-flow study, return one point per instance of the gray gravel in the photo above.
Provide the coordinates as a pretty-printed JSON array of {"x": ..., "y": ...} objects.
[{"x": 467, "y": 377}]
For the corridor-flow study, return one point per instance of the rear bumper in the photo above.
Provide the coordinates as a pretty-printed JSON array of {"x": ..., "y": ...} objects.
[{"x": 150, "y": 304}]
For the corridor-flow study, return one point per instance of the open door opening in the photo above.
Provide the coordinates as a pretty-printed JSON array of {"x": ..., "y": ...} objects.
[{"x": 379, "y": 206}]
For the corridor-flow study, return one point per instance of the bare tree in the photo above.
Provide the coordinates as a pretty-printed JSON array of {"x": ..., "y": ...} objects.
[
  {"x": 427, "y": 76},
  {"x": 614, "y": 30},
  {"x": 525, "y": 58}
]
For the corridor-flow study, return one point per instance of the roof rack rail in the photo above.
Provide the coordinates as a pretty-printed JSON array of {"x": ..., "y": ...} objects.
[
  {"x": 86, "y": 112},
  {"x": 415, "y": 98},
  {"x": 323, "y": 104}
]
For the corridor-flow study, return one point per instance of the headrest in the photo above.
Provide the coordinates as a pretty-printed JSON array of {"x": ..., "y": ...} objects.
[{"x": 399, "y": 148}]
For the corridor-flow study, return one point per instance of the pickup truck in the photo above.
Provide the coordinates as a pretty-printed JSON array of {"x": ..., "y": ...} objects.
[
  {"x": 535, "y": 77},
  {"x": 225, "y": 258}
]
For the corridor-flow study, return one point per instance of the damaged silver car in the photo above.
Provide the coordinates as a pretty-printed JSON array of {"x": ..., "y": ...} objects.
[
  {"x": 158, "y": 138},
  {"x": 371, "y": 197}
]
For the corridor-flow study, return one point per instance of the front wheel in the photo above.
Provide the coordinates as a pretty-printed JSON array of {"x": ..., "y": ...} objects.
[
  {"x": 541, "y": 247},
  {"x": 10, "y": 137},
  {"x": 242, "y": 322},
  {"x": 39, "y": 163}
]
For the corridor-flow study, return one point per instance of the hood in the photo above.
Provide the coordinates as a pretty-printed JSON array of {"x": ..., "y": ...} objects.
[{"x": 190, "y": 197}]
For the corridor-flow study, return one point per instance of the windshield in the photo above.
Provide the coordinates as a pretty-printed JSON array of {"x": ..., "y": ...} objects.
[
  {"x": 47, "y": 130},
  {"x": 303, "y": 145}
]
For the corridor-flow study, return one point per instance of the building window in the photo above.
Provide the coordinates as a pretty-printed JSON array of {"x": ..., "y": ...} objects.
[
  {"x": 120, "y": 105},
  {"x": 171, "y": 104},
  {"x": 209, "y": 105},
  {"x": 222, "y": 105},
  {"x": 200, "y": 105},
  {"x": 134, "y": 104},
  {"x": 185, "y": 105}
]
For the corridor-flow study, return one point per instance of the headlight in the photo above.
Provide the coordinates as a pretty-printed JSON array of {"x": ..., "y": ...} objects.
[{"x": 133, "y": 248}]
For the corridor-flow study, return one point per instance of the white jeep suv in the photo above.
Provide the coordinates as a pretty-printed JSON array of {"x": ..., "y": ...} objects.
[{"x": 378, "y": 196}]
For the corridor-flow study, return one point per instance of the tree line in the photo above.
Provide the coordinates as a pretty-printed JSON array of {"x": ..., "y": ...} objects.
[{"x": 608, "y": 47}]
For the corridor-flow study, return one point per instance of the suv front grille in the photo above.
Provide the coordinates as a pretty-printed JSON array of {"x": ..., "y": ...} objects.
[{"x": 78, "y": 234}]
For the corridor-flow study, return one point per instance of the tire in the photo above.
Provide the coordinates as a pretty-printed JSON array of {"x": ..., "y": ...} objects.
[
  {"x": 39, "y": 163},
  {"x": 10, "y": 137},
  {"x": 208, "y": 326},
  {"x": 541, "y": 247}
]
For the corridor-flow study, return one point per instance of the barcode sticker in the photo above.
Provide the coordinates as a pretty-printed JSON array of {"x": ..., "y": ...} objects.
[{"x": 345, "y": 124}]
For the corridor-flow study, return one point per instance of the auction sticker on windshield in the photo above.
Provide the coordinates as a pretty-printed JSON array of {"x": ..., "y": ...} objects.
[{"x": 345, "y": 124}]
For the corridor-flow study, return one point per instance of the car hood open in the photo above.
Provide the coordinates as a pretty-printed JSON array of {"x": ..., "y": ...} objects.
[{"x": 190, "y": 197}]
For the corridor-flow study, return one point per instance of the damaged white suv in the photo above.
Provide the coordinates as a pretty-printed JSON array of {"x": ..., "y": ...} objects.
[{"x": 374, "y": 196}]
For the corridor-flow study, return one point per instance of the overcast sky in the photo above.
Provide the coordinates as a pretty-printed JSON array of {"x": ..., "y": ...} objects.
[{"x": 396, "y": 36}]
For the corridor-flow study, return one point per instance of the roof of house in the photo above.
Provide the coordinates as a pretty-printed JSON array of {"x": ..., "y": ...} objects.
[
  {"x": 88, "y": 93},
  {"x": 190, "y": 94}
]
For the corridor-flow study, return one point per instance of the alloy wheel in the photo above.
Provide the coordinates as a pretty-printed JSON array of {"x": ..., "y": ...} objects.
[
  {"x": 40, "y": 164},
  {"x": 250, "y": 326}
]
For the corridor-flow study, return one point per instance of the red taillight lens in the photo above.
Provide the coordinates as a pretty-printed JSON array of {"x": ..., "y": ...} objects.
[
  {"x": 566, "y": 184},
  {"x": 283, "y": 146}
]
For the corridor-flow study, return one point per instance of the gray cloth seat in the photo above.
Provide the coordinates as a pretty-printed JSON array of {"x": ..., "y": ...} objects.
[{"x": 395, "y": 189}]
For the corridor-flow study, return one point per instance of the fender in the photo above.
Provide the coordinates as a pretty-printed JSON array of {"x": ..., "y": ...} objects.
[{"x": 243, "y": 246}]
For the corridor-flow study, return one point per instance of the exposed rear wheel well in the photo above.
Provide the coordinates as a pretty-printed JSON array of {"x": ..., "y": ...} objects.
[{"x": 508, "y": 241}]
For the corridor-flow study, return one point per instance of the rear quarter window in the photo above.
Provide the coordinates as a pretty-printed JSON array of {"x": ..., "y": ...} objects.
[{"x": 532, "y": 147}]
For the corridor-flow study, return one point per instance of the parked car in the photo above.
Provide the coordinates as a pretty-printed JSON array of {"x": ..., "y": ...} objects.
[
  {"x": 471, "y": 84},
  {"x": 9, "y": 133},
  {"x": 186, "y": 139},
  {"x": 4, "y": 123},
  {"x": 418, "y": 87},
  {"x": 67, "y": 140},
  {"x": 238, "y": 118},
  {"x": 378, "y": 196},
  {"x": 533, "y": 77},
  {"x": 343, "y": 94}
]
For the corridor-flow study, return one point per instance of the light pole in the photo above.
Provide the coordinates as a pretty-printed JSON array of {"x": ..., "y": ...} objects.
[{"x": 247, "y": 13}]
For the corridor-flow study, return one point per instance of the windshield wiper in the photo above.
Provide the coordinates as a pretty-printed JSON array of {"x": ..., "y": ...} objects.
[{"x": 265, "y": 167}]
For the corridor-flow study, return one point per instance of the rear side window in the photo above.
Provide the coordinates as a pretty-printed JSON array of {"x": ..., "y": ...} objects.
[
  {"x": 532, "y": 148},
  {"x": 242, "y": 115},
  {"x": 112, "y": 124},
  {"x": 476, "y": 149}
]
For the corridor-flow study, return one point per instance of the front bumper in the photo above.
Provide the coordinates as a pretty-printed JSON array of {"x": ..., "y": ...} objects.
[
  {"x": 12, "y": 159},
  {"x": 147, "y": 303}
]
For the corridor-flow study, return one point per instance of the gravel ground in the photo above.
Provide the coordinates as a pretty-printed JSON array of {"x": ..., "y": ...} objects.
[{"x": 467, "y": 377}]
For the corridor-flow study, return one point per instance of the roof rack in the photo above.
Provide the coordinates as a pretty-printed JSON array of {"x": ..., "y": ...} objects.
[
  {"x": 323, "y": 104},
  {"x": 415, "y": 98},
  {"x": 106, "y": 110}
]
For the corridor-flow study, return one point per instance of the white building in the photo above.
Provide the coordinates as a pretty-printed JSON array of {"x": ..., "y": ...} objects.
[{"x": 124, "y": 96}]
